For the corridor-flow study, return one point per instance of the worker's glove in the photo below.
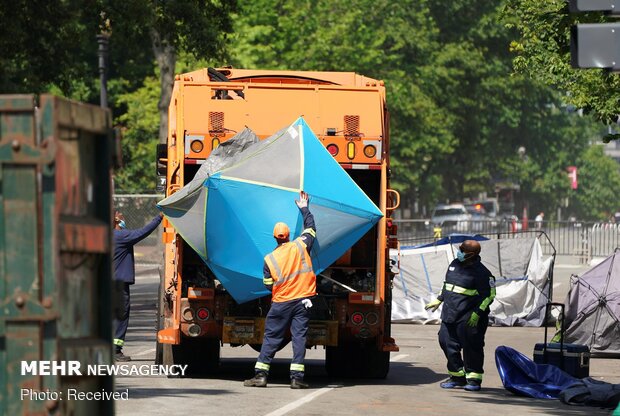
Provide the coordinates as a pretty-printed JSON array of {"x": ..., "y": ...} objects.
[
  {"x": 307, "y": 303},
  {"x": 303, "y": 200},
  {"x": 473, "y": 320},
  {"x": 433, "y": 305}
]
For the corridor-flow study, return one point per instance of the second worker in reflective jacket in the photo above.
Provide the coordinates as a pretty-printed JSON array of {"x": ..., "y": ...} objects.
[
  {"x": 288, "y": 274},
  {"x": 467, "y": 292}
]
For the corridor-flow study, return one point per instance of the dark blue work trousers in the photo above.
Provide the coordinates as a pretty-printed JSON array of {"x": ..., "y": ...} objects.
[
  {"x": 459, "y": 336},
  {"x": 281, "y": 316},
  {"x": 122, "y": 322}
]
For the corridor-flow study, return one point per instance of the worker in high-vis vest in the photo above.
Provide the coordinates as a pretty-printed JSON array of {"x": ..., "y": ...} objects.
[
  {"x": 288, "y": 274},
  {"x": 467, "y": 292}
]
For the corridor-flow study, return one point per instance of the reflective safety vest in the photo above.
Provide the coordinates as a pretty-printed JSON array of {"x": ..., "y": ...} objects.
[{"x": 291, "y": 269}]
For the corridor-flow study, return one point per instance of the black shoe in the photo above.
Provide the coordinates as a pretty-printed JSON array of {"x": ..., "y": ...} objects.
[
  {"x": 259, "y": 380},
  {"x": 121, "y": 358},
  {"x": 454, "y": 383},
  {"x": 473, "y": 385},
  {"x": 298, "y": 384}
]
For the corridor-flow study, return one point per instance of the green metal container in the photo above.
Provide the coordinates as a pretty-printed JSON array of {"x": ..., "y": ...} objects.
[{"x": 55, "y": 253}]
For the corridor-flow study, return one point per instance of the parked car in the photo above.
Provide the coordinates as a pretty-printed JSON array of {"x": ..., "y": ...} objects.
[
  {"x": 480, "y": 221},
  {"x": 451, "y": 218},
  {"x": 490, "y": 205}
]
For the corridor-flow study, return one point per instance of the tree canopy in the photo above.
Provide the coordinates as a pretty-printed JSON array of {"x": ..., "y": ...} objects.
[
  {"x": 481, "y": 92},
  {"x": 543, "y": 52}
]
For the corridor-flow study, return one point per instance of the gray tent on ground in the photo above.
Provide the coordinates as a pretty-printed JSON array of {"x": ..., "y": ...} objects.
[
  {"x": 593, "y": 308},
  {"x": 521, "y": 270}
]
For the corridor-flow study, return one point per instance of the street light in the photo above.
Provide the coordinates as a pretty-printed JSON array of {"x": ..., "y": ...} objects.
[{"x": 103, "y": 39}]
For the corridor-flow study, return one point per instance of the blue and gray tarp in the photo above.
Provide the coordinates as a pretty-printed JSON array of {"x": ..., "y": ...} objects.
[
  {"x": 522, "y": 376},
  {"x": 227, "y": 212}
]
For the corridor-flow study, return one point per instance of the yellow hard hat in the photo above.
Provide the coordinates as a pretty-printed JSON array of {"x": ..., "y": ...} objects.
[{"x": 281, "y": 231}]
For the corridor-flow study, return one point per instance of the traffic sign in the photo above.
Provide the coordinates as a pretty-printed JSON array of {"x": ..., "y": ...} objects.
[
  {"x": 607, "y": 6},
  {"x": 596, "y": 45}
]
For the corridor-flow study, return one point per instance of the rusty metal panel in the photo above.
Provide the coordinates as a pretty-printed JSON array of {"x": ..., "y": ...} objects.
[{"x": 55, "y": 250}]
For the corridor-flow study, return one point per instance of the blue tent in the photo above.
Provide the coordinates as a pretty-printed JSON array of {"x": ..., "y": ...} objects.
[
  {"x": 227, "y": 213},
  {"x": 451, "y": 239}
]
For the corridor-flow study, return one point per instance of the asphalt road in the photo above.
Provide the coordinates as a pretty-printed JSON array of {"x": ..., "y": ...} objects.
[{"x": 411, "y": 387}]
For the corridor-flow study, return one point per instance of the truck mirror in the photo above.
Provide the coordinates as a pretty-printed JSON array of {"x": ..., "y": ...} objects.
[
  {"x": 162, "y": 159},
  {"x": 116, "y": 151}
]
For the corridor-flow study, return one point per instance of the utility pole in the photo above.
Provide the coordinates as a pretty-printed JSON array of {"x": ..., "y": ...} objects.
[{"x": 103, "y": 40}]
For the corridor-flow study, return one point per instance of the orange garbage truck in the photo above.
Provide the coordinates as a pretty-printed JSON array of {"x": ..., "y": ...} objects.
[{"x": 351, "y": 316}]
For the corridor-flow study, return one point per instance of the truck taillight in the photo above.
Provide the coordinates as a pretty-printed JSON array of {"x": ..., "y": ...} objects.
[
  {"x": 351, "y": 150},
  {"x": 392, "y": 229},
  {"x": 372, "y": 318},
  {"x": 332, "y": 149},
  {"x": 370, "y": 151},
  {"x": 215, "y": 143},
  {"x": 188, "y": 314},
  {"x": 194, "y": 330},
  {"x": 203, "y": 314},
  {"x": 357, "y": 318},
  {"x": 196, "y": 146}
]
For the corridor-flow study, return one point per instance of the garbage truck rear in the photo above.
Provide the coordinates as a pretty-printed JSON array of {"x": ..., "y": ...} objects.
[{"x": 351, "y": 314}]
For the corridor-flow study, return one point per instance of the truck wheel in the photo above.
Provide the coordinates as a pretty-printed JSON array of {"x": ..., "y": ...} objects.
[
  {"x": 357, "y": 361},
  {"x": 257, "y": 347},
  {"x": 159, "y": 321},
  {"x": 202, "y": 355}
]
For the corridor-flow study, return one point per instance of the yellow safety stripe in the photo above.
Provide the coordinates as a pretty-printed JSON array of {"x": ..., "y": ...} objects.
[
  {"x": 267, "y": 281},
  {"x": 309, "y": 231},
  {"x": 460, "y": 290},
  {"x": 119, "y": 342},
  {"x": 274, "y": 264},
  {"x": 297, "y": 367},
  {"x": 261, "y": 366},
  {"x": 487, "y": 301},
  {"x": 459, "y": 373},
  {"x": 304, "y": 269},
  {"x": 474, "y": 376}
]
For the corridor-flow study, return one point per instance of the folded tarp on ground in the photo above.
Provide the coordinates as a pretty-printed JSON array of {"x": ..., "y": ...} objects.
[{"x": 522, "y": 376}]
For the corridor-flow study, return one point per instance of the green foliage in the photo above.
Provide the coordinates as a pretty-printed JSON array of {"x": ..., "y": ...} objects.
[
  {"x": 139, "y": 139},
  {"x": 543, "y": 52},
  {"x": 596, "y": 197},
  {"x": 469, "y": 82},
  {"x": 458, "y": 112},
  {"x": 139, "y": 125},
  {"x": 44, "y": 42}
]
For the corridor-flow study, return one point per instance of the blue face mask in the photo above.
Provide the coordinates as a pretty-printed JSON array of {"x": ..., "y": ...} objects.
[
  {"x": 460, "y": 255},
  {"x": 122, "y": 224}
]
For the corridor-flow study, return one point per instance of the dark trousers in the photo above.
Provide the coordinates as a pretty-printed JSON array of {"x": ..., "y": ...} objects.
[
  {"x": 121, "y": 322},
  {"x": 459, "y": 336},
  {"x": 281, "y": 316}
]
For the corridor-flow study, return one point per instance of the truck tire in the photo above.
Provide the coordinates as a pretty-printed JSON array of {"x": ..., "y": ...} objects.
[
  {"x": 201, "y": 355},
  {"x": 357, "y": 361},
  {"x": 257, "y": 347},
  {"x": 159, "y": 321}
]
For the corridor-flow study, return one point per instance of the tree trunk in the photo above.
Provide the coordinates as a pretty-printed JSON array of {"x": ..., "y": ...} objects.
[{"x": 166, "y": 57}]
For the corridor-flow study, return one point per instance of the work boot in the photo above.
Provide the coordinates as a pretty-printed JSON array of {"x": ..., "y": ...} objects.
[
  {"x": 453, "y": 383},
  {"x": 119, "y": 357},
  {"x": 473, "y": 385},
  {"x": 297, "y": 383},
  {"x": 259, "y": 380}
]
